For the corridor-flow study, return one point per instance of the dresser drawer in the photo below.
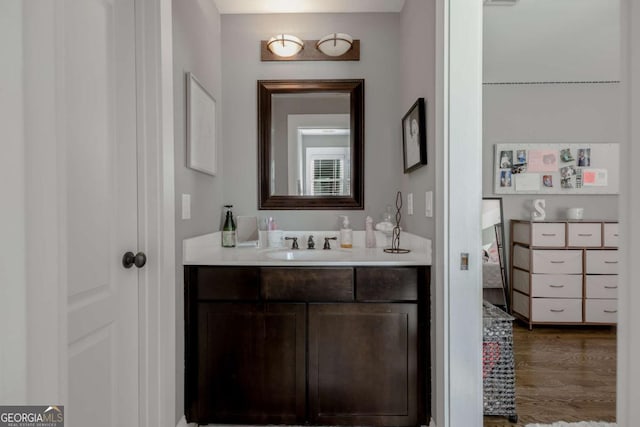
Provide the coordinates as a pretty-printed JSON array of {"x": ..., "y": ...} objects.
[
  {"x": 556, "y": 285},
  {"x": 584, "y": 234},
  {"x": 539, "y": 234},
  {"x": 602, "y": 286},
  {"x": 601, "y": 311},
  {"x": 556, "y": 310},
  {"x": 307, "y": 284},
  {"x": 556, "y": 262},
  {"x": 610, "y": 234},
  {"x": 521, "y": 255},
  {"x": 602, "y": 262},
  {"x": 521, "y": 281},
  {"x": 386, "y": 284}
]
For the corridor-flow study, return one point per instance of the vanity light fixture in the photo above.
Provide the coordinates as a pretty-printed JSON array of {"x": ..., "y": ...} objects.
[
  {"x": 335, "y": 44},
  {"x": 332, "y": 47},
  {"x": 285, "y": 45}
]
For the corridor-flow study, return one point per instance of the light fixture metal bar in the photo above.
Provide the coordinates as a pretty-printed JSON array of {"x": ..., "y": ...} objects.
[{"x": 310, "y": 53}]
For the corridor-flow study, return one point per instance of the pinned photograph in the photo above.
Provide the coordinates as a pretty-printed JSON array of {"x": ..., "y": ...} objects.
[
  {"x": 547, "y": 181},
  {"x": 565, "y": 155},
  {"x": 584, "y": 157},
  {"x": 505, "y": 178},
  {"x": 519, "y": 168},
  {"x": 521, "y": 156},
  {"x": 543, "y": 160},
  {"x": 506, "y": 159},
  {"x": 566, "y": 176}
]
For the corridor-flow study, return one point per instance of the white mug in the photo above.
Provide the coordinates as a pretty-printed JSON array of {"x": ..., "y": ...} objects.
[{"x": 575, "y": 213}]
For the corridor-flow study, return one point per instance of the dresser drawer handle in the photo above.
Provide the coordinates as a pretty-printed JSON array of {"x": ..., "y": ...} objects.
[
  {"x": 615, "y": 234},
  {"x": 557, "y": 262},
  {"x": 611, "y": 287},
  {"x": 556, "y": 310},
  {"x": 549, "y": 234},
  {"x": 611, "y": 311},
  {"x": 585, "y": 234},
  {"x": 556, "y": 286},
  {"x": 611, "y": 262}
]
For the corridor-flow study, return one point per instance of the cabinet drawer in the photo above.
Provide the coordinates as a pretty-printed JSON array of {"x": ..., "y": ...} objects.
[
  {"x": 521, "y": 256},
  {"x": 521, "y": 304},
  {"x": 602, "y": 286},
  {"x": 602, "y": 262},
  {"x": 224, "y": 283},
  {"x": 556, "y": 285},
  {"x": 584, "y": 234},
  {"x": 601, "y": 311},
  {"x": 386, "y": 284},
  {"x": 556, "y": 262},
  {"x": 610, "y": 234},
  {"x": 540, "y": 234},
  {"x": 521, "y": 281},
  {"x": 307, "y": 284},
  {"x": 556, "y": 310}
]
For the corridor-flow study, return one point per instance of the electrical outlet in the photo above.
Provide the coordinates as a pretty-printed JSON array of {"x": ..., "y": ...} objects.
[{"x": 410, "y": 203}]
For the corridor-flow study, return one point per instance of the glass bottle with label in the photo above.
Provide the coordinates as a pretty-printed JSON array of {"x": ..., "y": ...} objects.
[{"x": 229, "y": 229}]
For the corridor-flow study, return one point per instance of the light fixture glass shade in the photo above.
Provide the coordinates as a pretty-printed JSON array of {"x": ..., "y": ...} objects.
[
  {"x": 285, "y": 45},
  {"x": 336, "y": 44}
]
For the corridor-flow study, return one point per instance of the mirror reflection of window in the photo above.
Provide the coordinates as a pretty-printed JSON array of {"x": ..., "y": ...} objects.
[{"x": 327, "y": 172}]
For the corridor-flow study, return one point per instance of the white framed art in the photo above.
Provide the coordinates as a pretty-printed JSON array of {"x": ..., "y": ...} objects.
[{"x": 201, "y": 127}]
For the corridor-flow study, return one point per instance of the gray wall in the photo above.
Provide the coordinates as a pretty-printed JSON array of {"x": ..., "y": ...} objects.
[
  {"x": 418, "y": 80},
  {"x": 379, "y": 65},
  {"x": 196, "y": 49},
  {"x": 568, "y": 92}
]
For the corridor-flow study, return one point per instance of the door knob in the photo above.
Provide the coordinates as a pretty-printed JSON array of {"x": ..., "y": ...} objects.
[{"x": 129, "y": 259}]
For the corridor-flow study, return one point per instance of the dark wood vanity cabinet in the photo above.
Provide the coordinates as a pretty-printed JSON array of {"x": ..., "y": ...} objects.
[{"x": 323, "y": 346}]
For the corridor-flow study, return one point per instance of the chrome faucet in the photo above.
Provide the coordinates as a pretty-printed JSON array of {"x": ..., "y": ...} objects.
[
  {"x": 326, "y": 242},
  {"x": 294, "y": 245},
  {"x": 310, "y": 243}
]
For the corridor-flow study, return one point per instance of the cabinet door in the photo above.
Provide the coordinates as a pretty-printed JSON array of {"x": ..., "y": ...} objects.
[
  {"x": 363, "y": 367},
  {"x": 250, "y": 363}
]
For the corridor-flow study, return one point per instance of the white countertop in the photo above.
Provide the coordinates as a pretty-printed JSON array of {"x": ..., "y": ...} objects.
[{"x": 207, "y": 250}]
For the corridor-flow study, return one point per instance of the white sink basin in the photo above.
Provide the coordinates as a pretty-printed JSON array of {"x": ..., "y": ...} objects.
[{"x": 306, "y": 255}]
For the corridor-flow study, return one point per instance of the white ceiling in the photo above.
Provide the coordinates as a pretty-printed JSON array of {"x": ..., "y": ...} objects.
[{"x": 308, "y": 6}]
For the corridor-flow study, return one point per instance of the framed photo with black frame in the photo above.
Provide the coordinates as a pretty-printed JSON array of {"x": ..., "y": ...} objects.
[{"x": 414, "y": 137}]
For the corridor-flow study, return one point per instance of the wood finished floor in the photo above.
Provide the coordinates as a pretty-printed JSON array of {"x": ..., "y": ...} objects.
[{"x": 563, "y": 373}]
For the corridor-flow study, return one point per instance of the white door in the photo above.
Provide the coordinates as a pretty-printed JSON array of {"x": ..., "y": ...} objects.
[{"x": 96, "y": 79}]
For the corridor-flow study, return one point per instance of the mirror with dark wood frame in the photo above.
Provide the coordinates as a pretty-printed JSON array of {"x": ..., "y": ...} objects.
[
  {"x": 311, "y": 144},
  {"x": 495, "y": 287}
]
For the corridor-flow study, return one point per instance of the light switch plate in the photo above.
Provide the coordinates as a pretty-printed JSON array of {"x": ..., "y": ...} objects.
[
  {"x": 186, "y": 206},
  {"x": 410, "y": 203},
  {"x": 428, "y": 204}
]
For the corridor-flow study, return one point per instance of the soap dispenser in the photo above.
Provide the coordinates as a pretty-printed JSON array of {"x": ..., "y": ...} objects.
[{"x": 346, "y": 234}]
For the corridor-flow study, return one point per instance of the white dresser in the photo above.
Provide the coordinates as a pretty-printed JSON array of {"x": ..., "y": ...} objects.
[{"x": 564, "y": 272}]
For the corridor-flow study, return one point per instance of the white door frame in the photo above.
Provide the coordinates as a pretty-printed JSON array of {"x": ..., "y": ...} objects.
[
  {"x": 46, "y": 276},
  {"x": 628, "y": 372},
  {"x": 458, "y": 341}
]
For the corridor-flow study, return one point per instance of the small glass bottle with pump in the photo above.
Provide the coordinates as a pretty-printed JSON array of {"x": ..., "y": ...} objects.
[{"x": 229, "y": 229}]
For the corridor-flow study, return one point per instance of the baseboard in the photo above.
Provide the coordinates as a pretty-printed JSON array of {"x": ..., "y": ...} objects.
[{"x": 183, "y": 423}]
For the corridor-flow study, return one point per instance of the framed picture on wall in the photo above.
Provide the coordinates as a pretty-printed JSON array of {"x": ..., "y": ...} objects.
[
  {"x": 201, "y": 127},
  {"x": 414, "y": 136}
]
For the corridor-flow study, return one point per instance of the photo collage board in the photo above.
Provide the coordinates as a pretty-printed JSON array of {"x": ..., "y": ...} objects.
[{"x": 571, "y": 168}]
